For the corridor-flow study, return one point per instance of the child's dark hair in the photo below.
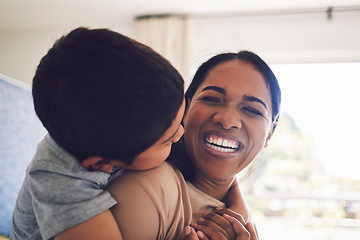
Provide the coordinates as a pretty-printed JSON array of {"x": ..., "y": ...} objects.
[{"x": 99, "y": 93}]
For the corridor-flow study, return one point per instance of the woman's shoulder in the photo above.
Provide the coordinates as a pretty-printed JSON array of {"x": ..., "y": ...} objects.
[
  {"x": 158, "y": 195},
  {"x": 163, "y": 178}
]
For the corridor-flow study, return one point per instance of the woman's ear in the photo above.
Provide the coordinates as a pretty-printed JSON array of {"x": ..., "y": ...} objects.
[
  {"x": 268, "y": 139},
  {"x": 96, "y": 163},
  {"x": 270, "y": 133}
]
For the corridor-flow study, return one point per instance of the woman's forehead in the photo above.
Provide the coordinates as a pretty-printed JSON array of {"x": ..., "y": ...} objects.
[
  {"x": 237, "y": 80},
  {"x": 235, "y": 75}
]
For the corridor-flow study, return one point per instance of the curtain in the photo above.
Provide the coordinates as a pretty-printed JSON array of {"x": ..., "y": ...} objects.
[{"x": 171, "y": 36}]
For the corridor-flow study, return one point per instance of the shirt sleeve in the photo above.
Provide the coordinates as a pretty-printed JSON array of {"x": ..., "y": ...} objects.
[{"x": 61, "y": 200}]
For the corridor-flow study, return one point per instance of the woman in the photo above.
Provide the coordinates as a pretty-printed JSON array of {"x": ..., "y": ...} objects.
[{"x": 232, "y": 110}]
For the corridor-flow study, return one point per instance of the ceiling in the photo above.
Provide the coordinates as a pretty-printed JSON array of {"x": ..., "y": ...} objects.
[{"x": 39, "y": 14}]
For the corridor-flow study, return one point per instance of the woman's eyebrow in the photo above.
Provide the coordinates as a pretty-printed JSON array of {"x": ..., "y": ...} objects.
[
  {"x": 216, "y": 89},
  {"x": 255, "y": 99},
  {"x": 223, "y": 91}
]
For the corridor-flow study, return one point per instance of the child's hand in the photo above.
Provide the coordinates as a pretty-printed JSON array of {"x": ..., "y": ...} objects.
[{"x": 224, "y": 224}]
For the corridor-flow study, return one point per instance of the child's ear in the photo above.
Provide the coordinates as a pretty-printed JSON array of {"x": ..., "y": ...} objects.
[
  {"x": 98, "y": 164},
  {"x": 187, "y": 105}
]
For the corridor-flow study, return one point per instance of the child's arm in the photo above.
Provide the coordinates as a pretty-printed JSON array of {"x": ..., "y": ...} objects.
[
  {"x": 235, "y": 200},
  {"x": 101, "y": 227}
]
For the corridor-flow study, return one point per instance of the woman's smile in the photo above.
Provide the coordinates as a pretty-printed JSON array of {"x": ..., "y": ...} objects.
[{"x": 220, "y": 144}]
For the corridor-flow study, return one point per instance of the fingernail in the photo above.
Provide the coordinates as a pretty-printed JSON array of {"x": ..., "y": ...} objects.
[
  {"x": 201, "y": 220},
  {"x": 200, "y": 234},
  {"x": 187, "y": 230},
  {"x": 250, "y": 225}
]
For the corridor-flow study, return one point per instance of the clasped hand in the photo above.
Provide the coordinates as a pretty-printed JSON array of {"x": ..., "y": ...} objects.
[{"x": 221, "y": 224}]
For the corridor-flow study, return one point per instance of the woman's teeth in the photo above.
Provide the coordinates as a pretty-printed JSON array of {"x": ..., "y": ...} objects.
[{"x": 222, "y": 145}]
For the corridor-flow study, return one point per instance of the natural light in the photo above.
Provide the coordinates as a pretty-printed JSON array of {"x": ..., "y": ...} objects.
[
  {"x": 307, "y": 183},
  {"x": 324, "y": 100}
]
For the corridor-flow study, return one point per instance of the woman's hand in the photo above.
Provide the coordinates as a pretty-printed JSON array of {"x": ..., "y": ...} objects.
[
  {"x": 192, "y": 234},
  {"x": 222, "y": 224},
  {"x": 235, "y": 200}
]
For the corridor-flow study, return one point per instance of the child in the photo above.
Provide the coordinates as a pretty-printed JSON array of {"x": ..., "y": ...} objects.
[{"x": 108, "y": 103}]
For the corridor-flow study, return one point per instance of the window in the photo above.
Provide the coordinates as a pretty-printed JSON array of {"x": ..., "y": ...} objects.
[{"x": 306, "y": 185}]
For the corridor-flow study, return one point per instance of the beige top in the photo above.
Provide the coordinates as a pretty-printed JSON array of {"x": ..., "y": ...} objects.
[
  {"x": 159, "y": 200},
  {"x": 201, "y": 202},
  {"x": 157, "y": 203}
]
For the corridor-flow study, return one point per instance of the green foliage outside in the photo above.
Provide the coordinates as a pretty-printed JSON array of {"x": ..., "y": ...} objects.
[{"x": 289, "y": 180}]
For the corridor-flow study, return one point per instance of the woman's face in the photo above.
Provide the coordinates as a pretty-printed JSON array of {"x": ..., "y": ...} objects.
[{"x": 228, "y": 121}]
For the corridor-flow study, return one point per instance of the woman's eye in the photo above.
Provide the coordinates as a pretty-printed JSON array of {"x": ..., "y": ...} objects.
[
  {"x": 211, "y": 100},
  {"x": 253, "y": 111}
]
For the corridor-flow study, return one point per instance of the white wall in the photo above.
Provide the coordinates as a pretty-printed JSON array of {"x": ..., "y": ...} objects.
[
  {"x": 284, "y": 38},
  {"x": 21, "y": 51}
]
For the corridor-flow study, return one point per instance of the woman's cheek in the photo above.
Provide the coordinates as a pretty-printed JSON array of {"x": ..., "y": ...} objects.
[
  {"x": 198, "y": 114},
  {"x": 190, "y": 119},
  {"x": 260, "y": 135}
]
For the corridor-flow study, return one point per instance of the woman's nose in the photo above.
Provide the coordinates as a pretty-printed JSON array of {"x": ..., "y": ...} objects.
[{"x": 228, "y": 117}]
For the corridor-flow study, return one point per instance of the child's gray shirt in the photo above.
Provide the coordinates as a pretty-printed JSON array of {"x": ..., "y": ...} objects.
[{"x": 57, "y": 194}]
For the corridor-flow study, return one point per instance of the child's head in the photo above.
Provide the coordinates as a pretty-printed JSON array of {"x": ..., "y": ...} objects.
[{"x": 99, "y": 93}]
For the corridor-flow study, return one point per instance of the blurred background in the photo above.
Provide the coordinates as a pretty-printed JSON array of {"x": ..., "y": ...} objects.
[{"x": 306, "y": 185}]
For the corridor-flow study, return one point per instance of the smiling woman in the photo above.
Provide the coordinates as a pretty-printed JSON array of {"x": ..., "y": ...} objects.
[
  {"x": 233, "y": 105},
  {"x": 232, "y": 109}
]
